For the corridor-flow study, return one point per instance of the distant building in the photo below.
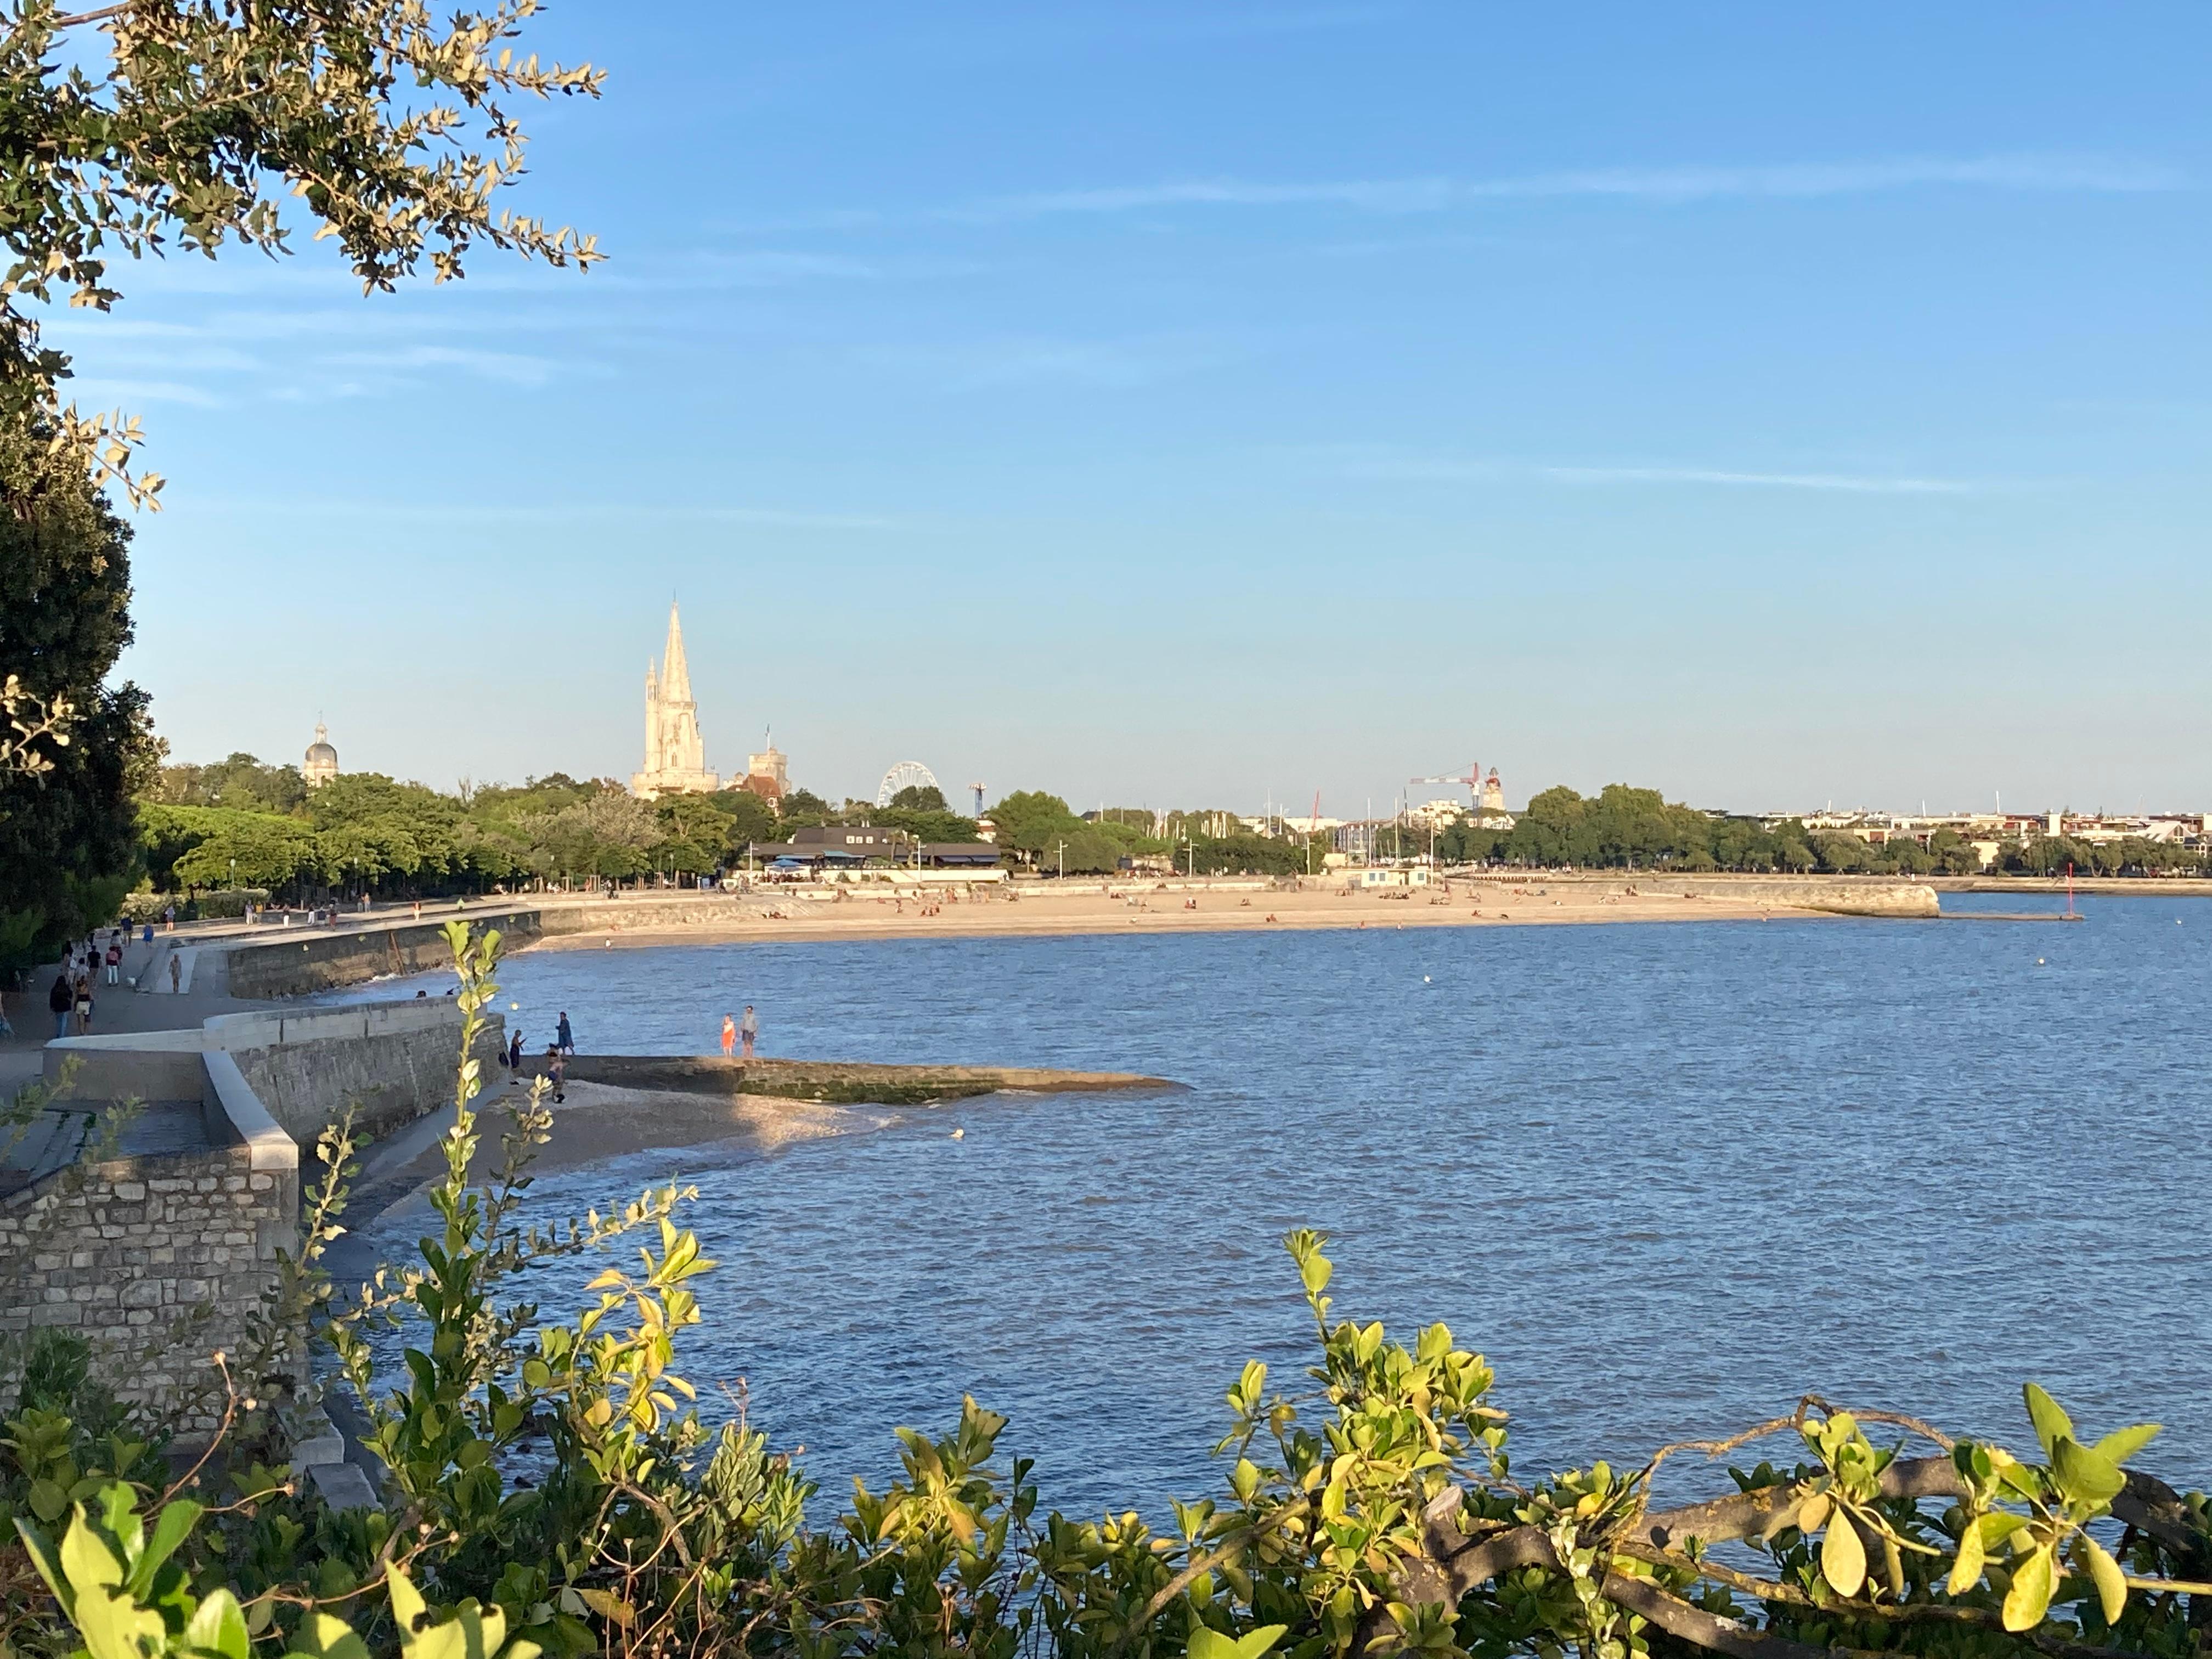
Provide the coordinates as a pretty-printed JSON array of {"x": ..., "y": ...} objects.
[
  {"x": 321, "y": 764},
  {"x": 1493, "y": 799},
  {"x": 838, "y": 846},
  {"x": 675, "y": 754},
  {"x": 767, "y": 774}
]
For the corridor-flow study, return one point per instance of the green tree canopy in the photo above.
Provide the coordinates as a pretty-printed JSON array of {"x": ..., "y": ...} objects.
[
  {"x": 186, "y": 124},
  {"x": 920, "y": 798},
  {"x": 67, "y": 841},
  {"x": 240, "y": 780},
  {"x": 1028, "y": 820}
]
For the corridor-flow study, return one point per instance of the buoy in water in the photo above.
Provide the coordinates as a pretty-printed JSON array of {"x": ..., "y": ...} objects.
[
  {"x": 1425, "y": 979},
  {"x": 959, "y": 1135}
]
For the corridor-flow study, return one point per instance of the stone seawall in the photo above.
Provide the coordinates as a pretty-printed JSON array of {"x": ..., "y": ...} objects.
[
  {"x": 389, "y": 1078},
  {"x": 158, "y": 1260},
  {"x": 165, "y": 1253},
  {"x": 291, "y": 962}
]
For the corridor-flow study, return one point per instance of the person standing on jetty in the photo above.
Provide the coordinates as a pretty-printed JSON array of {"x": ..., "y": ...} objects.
[
  {"x": 557, "y": 1072},
  {"x": 515, "y": 1051},
  {"x": 729, "y": 1035},
  {"x": 563, "y": 1038},
  {"x": 748, "y": 1029}
]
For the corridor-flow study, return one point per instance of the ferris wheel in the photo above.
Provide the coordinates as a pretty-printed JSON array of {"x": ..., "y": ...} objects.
[{"x": 907, "y": 774}]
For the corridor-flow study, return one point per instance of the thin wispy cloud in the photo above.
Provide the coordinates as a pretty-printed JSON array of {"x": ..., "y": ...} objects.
[
  {"x": 1847, "y": 483},
  {"x": 1110, "y": 364},
  {"x": 506, "y": 368},
  {"x": 1413, "y": 469},
  {"x": 1441, "y": 194},
  {"x": 483, "y": 512},
  {"x": 102, "y": 392}
]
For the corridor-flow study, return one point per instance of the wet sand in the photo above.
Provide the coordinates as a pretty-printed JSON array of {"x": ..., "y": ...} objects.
[{"x": 597, "y": 1123}]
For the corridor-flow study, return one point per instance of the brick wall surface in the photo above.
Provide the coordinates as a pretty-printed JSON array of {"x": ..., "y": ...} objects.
[{"x": 156, "y": 1259}]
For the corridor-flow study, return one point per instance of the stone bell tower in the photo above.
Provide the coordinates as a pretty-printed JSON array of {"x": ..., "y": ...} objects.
[{"x": 675, "y": 754}]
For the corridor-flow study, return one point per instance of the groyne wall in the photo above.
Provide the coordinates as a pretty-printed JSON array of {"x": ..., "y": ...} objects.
[
  {"x": 839, "y": 1082},
  {"x": 1842, "y": 895}
]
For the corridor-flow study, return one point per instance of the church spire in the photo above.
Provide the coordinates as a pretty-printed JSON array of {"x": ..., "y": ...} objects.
[{"x": 675, "y": 675}]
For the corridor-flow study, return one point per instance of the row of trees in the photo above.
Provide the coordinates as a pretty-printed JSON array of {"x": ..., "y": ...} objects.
[
  {"x": 1044, "y": 829},
  {"x": 367, "y": 832},
  {"x": 239, "y": 821},
  {"x": 1624, "y": 828}
]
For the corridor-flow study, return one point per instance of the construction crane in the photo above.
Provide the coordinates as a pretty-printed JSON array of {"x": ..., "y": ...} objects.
[{"x": 1472, "y": 782}]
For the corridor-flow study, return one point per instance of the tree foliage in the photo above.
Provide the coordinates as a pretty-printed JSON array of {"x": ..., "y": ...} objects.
[
  {"x": 66, "y": 844},
  {"x": 1630, "y": 829},
  {"x": 186, "y": 124}
]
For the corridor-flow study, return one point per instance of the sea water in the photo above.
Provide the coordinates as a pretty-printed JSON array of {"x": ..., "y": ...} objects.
[{"x": 1667, "y": 1177}]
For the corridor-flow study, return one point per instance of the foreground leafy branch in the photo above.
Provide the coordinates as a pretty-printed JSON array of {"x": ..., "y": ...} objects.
[
  {"x": 550, "y": 1488},
  {"x": 393, "y": 131}
]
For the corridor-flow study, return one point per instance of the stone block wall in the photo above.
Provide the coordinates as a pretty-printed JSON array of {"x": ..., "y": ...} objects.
[
  {"x": 157, "y": 1261},
  {"x": 299, "y": 962},
  {"x": 389, "y": 1077}
]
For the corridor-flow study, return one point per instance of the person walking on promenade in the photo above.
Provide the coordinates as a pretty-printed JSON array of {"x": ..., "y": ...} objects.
[
  {"x": 59, "y": 1001},
  {"x": 115, "y": 962},
  {"x": 84, "y": 1001},
  {"x": 169, "y": 918},
  {"x": 556, "y": 1069},
  {"x": 176, "y": 975},
  {"x": 563, "y": 1038},
  {"x": 729, "y": 1035},
  {"x": 748, "y": 1029}
]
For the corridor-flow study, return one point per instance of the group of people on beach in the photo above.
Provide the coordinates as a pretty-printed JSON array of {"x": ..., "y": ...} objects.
[{"x": 556, "y": 1055}]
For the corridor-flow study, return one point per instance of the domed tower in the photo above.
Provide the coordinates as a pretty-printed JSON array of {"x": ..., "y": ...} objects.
[{"x": 321, "y": 764}]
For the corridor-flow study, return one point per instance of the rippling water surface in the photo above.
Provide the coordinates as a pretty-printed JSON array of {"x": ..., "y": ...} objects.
[{"x": 1667, "y": 1177}]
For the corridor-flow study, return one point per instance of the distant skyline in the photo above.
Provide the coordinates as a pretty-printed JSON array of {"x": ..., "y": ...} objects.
[{"x": 1164, "y": 405}]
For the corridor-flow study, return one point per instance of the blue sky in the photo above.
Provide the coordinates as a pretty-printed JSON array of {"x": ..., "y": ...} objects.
[{"x": 1170, "y": 404}]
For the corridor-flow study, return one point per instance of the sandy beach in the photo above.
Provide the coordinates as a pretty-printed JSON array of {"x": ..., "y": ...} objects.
[
  {"x": 1095, "y": 909},
  {"x": 596, "y": 1123}
]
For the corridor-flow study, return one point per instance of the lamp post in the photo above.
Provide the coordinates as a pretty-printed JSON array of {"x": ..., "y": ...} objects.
[{"x": 1062, "y": 852}]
